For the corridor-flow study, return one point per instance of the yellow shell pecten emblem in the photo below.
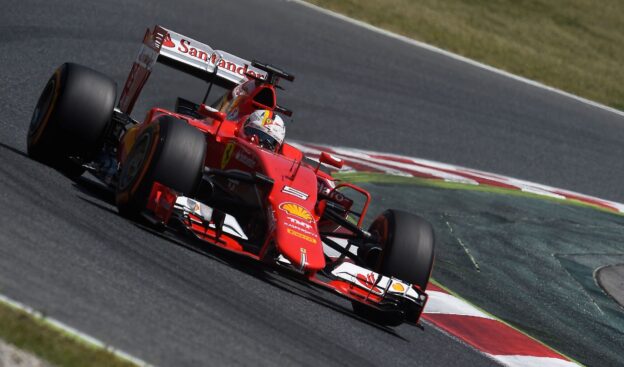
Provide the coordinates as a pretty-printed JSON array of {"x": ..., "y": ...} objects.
[{"x": 297, "y": 211}]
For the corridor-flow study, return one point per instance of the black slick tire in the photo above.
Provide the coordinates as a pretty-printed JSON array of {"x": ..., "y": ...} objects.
[
  {"x": 71, "y": 118},
  {"x": 408, "y": 251},
  {"x": 168, "y": 151},
  {"x": 408, "y": 244}
]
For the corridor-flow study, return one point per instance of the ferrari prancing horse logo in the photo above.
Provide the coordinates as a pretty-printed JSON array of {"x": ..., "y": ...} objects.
[{"x": 227, "y": 154}]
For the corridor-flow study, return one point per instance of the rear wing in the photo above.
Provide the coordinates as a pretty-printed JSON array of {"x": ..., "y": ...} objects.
[{"x": 187, "y": 55}]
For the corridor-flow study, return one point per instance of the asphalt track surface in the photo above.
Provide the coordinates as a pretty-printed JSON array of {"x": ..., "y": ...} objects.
[{"x": 66, "y": 251}]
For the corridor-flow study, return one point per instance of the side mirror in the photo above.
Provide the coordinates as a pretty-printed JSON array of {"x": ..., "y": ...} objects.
[
  {"x": 331, "y": 160},
  {"x": 209, "y": 112}
]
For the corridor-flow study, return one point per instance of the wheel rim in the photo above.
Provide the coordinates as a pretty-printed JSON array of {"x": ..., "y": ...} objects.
[
  {"x": 43, "y": 105},
  {"x": 134, "y": 162}
]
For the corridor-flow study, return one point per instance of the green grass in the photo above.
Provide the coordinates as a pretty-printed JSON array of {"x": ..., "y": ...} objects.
[
  {"x": 50, "y": 343},
  {"x": 382, "y": 178},
  {"x": 574, "y": 45}
]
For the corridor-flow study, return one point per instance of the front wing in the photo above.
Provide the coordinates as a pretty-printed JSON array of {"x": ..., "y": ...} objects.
[{"x": 356, "y": 283}]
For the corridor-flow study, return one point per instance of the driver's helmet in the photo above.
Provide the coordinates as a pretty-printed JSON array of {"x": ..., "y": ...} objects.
[{"x": 267, "y": 127}]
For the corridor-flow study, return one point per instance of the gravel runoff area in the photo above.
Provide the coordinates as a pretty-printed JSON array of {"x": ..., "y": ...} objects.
[{"x": 11, "y": 356}]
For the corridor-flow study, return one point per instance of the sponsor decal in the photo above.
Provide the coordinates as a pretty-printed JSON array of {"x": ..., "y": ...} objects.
[
  {"x": 299, "y": 226},
  {"x": 185, "y": 46},
  {"x": 297, "y": 211},
  {"x": 398, "y": 287},
  {"x": 299, "y": 229},
  {"x": 168, "y": 42},
  {"x": 245, "y": 158},
  {"x": 294, "y": 192},
  {"x": 299, "y": 223},
  {"x": 227, "y": 154},
  {"x": 301, "y": 235},
  {"x": 368, "y": 281}
]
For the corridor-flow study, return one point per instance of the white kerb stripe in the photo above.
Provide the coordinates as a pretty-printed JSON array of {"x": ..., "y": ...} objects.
[
  {"x": 426, "y": 170},
  {"x": 528, "y": 361},
  {"x": 444, "y": 303}
]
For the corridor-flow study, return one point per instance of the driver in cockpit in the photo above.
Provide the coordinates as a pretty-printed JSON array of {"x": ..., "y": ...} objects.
[{"x": 266, "y": 129}]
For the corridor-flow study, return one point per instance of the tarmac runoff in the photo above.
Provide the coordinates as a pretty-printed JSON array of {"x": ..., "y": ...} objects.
[{"x": 524, "y": 252}]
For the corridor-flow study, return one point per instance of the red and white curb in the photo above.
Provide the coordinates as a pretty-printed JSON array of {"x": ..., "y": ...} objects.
[
  {"x": 487, "y": 334},
  {"x": 392, "y": 164},
  {"x": 480, "y": 330}
]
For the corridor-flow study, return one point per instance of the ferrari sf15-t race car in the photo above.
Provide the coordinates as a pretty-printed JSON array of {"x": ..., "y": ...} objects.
[{"x": 194, "y": 172}]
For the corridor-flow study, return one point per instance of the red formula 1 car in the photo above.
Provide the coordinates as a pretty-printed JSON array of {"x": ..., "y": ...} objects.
[{"x": 193, "y": 171}]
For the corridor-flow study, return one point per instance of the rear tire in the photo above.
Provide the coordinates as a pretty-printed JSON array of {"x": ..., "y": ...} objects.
[
  {"x": 168, "y": 151},
  {"x": 71, "y": 118}
]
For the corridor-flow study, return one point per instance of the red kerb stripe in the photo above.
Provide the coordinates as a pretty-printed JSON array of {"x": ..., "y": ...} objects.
[{"x": 491, "y": 336}]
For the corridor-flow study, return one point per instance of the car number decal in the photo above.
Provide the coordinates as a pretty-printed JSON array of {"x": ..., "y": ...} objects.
[{"x": 294, "y": 192}]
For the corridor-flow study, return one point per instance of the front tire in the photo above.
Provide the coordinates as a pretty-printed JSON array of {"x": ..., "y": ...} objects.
[
  {"x": 168, "y": 151},
  {"x": 408, "y": 251},
  {"x": 71, "y": 118},
  {"x": 408, "y": 244}
]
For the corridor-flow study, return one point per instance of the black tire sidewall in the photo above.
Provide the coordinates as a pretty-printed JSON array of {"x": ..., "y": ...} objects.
[
  {"x": 408, "y": 243},
  {"x": 175, "y": 158},
  {"x": 77, "y": 119}
]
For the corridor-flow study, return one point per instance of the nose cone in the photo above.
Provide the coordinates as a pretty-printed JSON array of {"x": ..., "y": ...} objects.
[{"x": 297, "y": 238}]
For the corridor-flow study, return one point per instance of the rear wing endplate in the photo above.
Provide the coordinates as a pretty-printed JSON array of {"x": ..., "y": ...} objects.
[{"x": 187, "y": 55}]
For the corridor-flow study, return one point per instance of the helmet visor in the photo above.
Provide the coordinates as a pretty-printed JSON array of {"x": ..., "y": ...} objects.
[{"x": 265, "y": 140}]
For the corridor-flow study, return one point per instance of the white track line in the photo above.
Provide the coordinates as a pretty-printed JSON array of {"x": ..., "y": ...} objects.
[
  {"x": 458, "y": 57},
  {"x": 71, "y": 331}
]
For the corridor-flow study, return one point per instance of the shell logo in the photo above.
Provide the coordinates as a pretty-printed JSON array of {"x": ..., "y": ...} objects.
[
  {"x": 167, "y": 42},
  {"x": 297, "y": 211},
  {"x": 398, "y": 287}
]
